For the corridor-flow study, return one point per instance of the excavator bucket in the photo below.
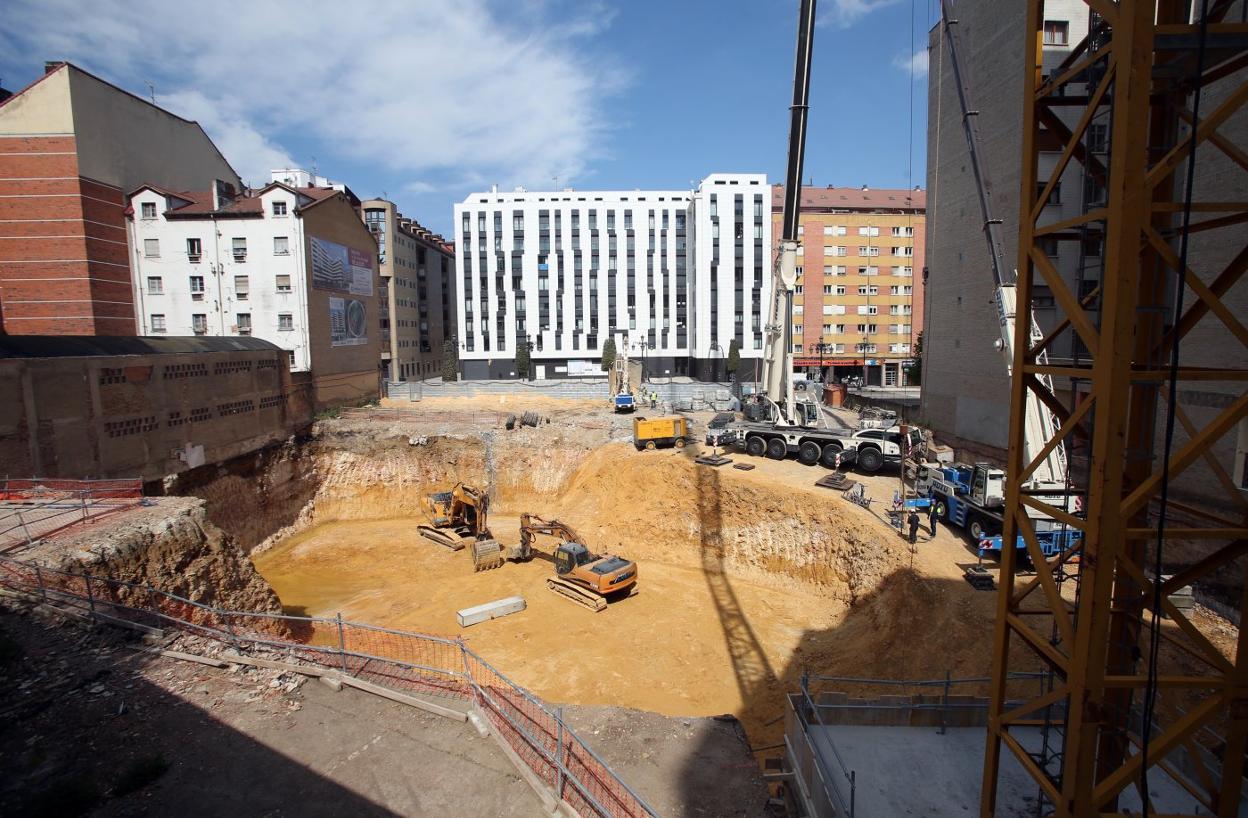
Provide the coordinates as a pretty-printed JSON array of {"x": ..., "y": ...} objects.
[{"x": 486, "y": 554}]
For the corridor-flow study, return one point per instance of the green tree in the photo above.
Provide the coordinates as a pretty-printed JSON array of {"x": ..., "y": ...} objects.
[
  {"x": 914, "y": 372},
  {"x": 608, "y": 355},
  {"x": 450, "y": 360},
  {"x": 734, "y": 356},
  {"x": 522, "y": 357}
]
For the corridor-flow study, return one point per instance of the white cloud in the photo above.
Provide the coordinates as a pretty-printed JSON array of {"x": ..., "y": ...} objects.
[
  {"x": 430, "y": 91},
  {"x": 251, "y": 153},
  {"x": 916, "y": 62},
  {"x": 845, "y": 13}
]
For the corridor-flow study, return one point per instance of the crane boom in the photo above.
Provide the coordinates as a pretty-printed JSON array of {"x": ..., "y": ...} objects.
[
  {"x": 778, "y": 355},
  {"x": 1042, "y": 426}
]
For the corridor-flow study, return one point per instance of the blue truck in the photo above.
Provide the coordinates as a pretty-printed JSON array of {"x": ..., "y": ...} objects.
[
  {"x": 624, "y": 402},
  {"x": 971, "y": 497}
]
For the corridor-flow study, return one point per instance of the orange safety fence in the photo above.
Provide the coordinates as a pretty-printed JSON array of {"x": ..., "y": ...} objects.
[{"x": 399, "y": 660}]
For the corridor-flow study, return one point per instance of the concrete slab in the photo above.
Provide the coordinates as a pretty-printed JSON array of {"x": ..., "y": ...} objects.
[
  {"x": 915, "y": 771},
  {"x": 490, "y": 610}
]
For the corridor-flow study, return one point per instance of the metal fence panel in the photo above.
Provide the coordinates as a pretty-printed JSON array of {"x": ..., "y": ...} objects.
[{"x": 400, "y": 660}]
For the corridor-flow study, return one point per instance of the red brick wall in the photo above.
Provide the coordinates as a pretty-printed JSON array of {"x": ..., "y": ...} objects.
[{"x": 64, "y": 265}]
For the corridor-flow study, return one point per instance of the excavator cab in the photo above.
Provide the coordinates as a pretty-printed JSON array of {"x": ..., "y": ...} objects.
[{"x": 570, "y": 555}]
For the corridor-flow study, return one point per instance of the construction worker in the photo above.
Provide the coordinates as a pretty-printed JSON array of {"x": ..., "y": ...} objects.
[
  {"x": 913, "y": 522},
  {"x": 654, "y": 399},
  {"x": 931, "y": 517}
]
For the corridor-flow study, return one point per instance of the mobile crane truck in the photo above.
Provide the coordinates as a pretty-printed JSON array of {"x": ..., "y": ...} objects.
[
  {"x": 780, "y": 420},
  {"x": 971, "y": 496}
]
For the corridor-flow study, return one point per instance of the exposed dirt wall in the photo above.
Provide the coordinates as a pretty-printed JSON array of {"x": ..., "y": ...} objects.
[{"x": 170, "y": 545}]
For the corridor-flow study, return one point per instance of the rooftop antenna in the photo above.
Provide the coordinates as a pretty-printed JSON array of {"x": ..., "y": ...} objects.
[
  {"x": 556, "y": 182},
  {"x": 151, "y": 88}
]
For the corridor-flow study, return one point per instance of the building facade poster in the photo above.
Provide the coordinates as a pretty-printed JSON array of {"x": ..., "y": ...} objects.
[
  {"x": 348, "y": 322},
  {"x": 341, "y": 269}
]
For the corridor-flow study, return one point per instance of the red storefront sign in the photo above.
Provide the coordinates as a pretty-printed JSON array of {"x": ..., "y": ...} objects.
[{"x": 827, "y": 361}]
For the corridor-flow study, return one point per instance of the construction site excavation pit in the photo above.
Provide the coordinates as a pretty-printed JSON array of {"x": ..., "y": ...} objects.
[{"x": 746, "y": 579}]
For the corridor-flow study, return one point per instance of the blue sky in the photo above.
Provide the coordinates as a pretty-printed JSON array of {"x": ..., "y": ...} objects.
[{"x": 429, "y": 101}]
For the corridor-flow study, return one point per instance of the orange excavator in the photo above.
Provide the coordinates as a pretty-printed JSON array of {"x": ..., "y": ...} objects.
[
  {"x": 457, "y": 517},
  {"x": 586, "y": 578}
]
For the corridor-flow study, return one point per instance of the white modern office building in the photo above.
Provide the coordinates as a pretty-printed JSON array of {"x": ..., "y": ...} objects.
[{"x": 673, "y": 276}]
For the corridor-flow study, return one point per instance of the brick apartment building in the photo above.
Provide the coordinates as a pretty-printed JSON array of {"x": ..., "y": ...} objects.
[
  {"x": 417, "y": 298},
  {"x": 71, "y": 147},
  {"x": 858, "y": 309}
]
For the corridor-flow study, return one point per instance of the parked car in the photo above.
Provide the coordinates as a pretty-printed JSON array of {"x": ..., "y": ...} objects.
[{"x": 717, "y": 433}]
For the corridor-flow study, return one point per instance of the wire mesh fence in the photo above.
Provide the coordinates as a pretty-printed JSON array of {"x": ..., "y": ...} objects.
[
  {"x": 31, "y": 509},
  {"x": 402, "y": 661}
]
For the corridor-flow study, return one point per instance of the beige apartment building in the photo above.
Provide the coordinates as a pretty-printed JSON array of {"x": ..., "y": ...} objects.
[
  {"x": 417, "y": 292},
  {"x": 859, "y": 302}
]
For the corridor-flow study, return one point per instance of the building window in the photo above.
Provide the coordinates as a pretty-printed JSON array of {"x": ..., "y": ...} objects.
[
  {"x": 285, "y": 321},
  {"x": 241, "y": 288},
  {"x": 1056, "y": 32},
  {"x": 158, "y": 323},
  {"x": 194, "y": 249},
  {"x": 151, "y": 248},
  {"x": 244, "y": 323},
  {"x": 868, "y": 231},
  {"x": 290, "y": 355},
  {"x": 281, "y": 246},
  {"x": 868, "y": 251},
  {"x": 155, "y": 285},
  {"x": 240, "y": 249},
  {"x": 199, "y": 323},
  {"x": 149, "y": 210},
  {"x": 1055, "y": 196},
  {"x": 1098, "y": 137},
  {"x": 283, "y": 283},
  {"x": 197, "y": 287},
  {"x": 827, "y": 289},
  {"x": 279, "y": 208}
]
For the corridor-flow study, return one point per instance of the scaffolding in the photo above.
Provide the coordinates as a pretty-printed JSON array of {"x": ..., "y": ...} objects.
[{"x": 1114, "y": 712}]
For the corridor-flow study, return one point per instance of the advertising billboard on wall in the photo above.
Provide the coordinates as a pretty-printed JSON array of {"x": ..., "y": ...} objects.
[
  {"x": 341, "y": 269},
  {"x": 348, "y": 322}
]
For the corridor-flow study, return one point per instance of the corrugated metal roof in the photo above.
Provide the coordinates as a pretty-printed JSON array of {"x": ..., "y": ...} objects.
[{"x": 79, "y": 346}]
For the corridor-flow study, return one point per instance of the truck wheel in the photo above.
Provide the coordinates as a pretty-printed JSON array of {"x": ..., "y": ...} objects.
[
  {"x": 828, "y": 457},
  {"x": 977, "y": 529},
  {"x": 870, "y": 460},
  {"x": 808, "y": 453},
  {"x": 776, "y": 449},
  {"x": 680, "y": 443},
  {"x": 755, "y": 446},
  {"x": 650, "y": 445}
]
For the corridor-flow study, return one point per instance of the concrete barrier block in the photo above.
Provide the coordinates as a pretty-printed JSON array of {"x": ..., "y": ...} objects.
[{"x": 490, "y": 610}]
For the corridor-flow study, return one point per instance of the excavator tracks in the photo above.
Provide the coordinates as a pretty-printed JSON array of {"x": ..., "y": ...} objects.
[
  {"x": 581, "y": 596},
  {"x": 442, "y": 536}
]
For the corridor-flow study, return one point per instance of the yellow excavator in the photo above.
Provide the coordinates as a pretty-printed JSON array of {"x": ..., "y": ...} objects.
[
  {"x": 457, "y": 517},
  {"x": 586, "y": 578}
]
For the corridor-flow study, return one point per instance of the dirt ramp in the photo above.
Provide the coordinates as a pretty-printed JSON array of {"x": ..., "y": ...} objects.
[{"x": 663, "y": 506}]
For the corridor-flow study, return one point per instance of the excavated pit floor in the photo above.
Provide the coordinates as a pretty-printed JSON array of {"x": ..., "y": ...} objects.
[{"x": 662, "y": 649}]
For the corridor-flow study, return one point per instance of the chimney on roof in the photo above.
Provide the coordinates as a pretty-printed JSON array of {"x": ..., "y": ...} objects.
[
  {"x": 51, "y": 65},
  {"x": 222, "y": 194}
]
